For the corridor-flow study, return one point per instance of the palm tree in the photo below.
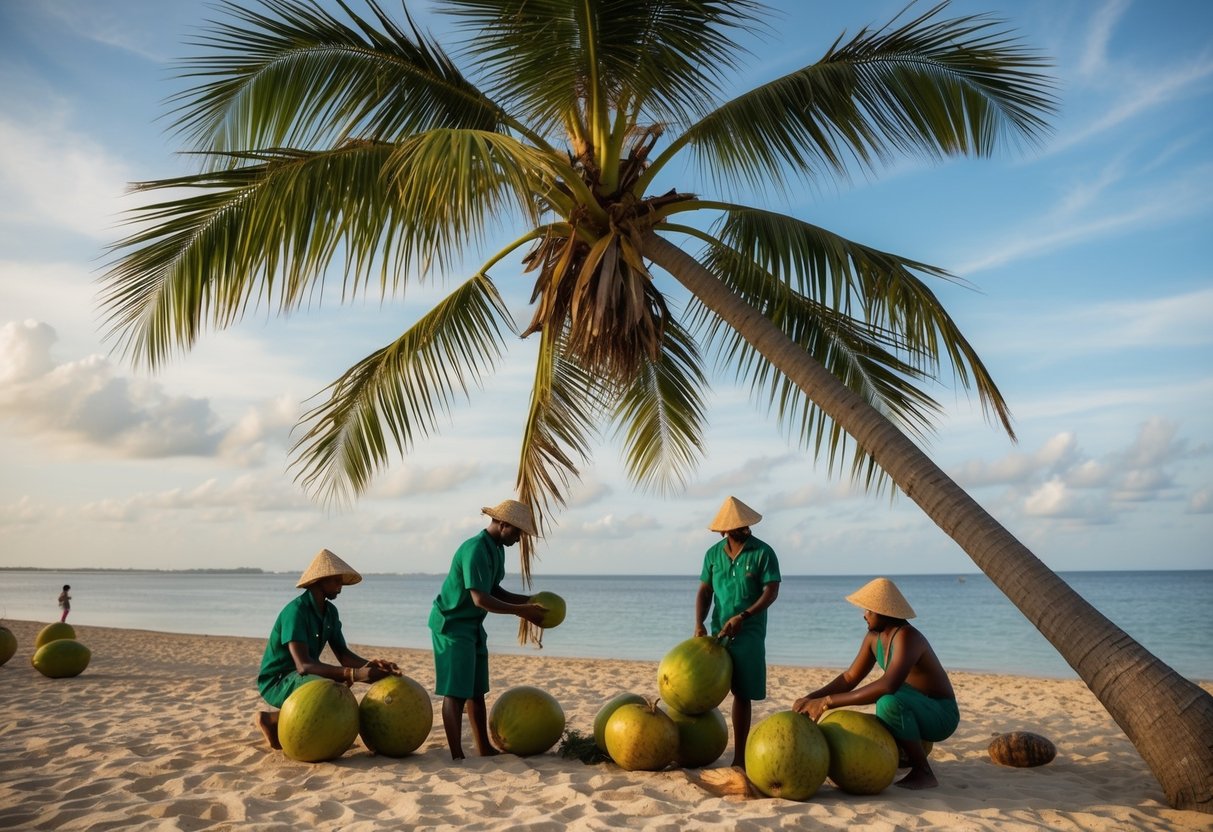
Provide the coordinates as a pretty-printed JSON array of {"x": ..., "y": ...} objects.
[{"x": 359, "y": 141}]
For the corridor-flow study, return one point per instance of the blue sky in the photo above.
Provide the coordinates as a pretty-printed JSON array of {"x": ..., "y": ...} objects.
[{"x": 1091, "y": 302}]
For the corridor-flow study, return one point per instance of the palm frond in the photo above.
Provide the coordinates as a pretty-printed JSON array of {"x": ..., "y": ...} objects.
[
  {"x": 296, "y": 75},
  {"x": 931, "y": 87},
  {"x": 397, "y": 393},
  {"x": 544, "y": 56},
  {"x": 882, "y": 289},
  {"x": 567, "y": 405},
  {"x": 661, "y": 414}
]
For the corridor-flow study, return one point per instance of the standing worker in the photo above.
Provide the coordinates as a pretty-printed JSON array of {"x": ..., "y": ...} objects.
[{"x": 739, "y": 580}]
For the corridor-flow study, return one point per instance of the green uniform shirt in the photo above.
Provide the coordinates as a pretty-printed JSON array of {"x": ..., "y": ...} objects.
[
  {"x": 299, "y": 621},
  {"x": 479, "y": 563},
  {"x": 736, "y": 583}
]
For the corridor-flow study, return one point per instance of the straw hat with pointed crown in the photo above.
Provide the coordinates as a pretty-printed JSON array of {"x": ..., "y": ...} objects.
[
  {"x": 733, "y": 514},
  {"x": 882, "y": 596},
  {"x": 515, "y": 513},
  {"x": 326, "y": 565}
]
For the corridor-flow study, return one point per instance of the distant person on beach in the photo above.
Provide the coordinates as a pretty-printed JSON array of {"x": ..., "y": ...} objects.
[
  {"x": 303, "y": 628},
  {"x": 739, "y": 580},
  {"x": 65, "y": 602},
  {"x": 914, "y": 697},
  {"x": 472, "y": 589}
]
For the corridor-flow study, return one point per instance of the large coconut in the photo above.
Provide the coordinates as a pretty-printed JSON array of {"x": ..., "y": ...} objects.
[
  {"x": 641, "y": 738},
  {"x": 319, "y": 721},
  {"x": 604, "y": 714},
  {"x": 1022, "y": 749},
  {"x": 702, "y": 738},
  {"x": 525, "y": 720},
  {"x": 695, "y": 676},
  {"x": 61, "y": 658},
  {"x": 554, "y": 605},
  {"x": 395, "y": 716},
  {"x": 787, "y": 756},
  {"x": 51, "y": 632},
  {"x": 8, "y": 644},
  {"x": 863, "y": 754}
]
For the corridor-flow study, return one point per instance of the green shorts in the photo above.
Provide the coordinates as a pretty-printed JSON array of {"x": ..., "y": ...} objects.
[
  {"x": 912, "y": 715},
  {"x": 749, "y": 652},
  {"x": 461, "y": 663},
  {"x": 276, "y": 692}
]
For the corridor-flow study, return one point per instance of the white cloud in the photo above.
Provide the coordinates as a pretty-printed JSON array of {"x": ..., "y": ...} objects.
[
  {"x": 1094, "y": 58},
  {"x": 1201, "y": 502}
]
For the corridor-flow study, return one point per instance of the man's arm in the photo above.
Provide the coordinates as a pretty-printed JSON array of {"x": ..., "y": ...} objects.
[
  {"x": 814, "y": 704},
  {"x": 907, "y": 647},
  {"x": 703, "y": 600},
  {"x": 769, "y": 593},
  {"x": 492, "y": 602}
]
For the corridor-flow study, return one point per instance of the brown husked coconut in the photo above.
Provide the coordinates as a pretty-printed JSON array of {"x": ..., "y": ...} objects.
[{"x": 1022, "y": 749}]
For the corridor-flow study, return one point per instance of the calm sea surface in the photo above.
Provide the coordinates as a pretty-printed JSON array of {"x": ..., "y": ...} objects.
[{"x": 968, "y": 620}]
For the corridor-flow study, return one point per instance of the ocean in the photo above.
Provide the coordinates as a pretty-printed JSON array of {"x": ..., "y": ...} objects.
[{"x": 970, "y": 623}]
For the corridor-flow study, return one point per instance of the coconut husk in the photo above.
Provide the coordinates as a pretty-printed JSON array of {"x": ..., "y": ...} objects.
[{"x": 729, "y": 783}]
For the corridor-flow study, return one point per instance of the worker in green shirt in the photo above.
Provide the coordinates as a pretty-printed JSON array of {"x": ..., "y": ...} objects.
[
  {"x": 472, "y": 589},
  {"x": 302, "y": 629},
  {"x": 739, "y": 580}
]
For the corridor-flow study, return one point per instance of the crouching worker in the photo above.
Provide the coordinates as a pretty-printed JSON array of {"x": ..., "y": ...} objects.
[
  {"x": 914, "y": 697},
  {"x": 303, "y": 628}
]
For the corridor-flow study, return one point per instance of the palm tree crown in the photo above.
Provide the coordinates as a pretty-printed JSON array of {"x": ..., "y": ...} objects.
[{"x": 357, "y": 138}]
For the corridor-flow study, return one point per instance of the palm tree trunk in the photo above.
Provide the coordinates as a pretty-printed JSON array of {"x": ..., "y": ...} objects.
[{"x": 1168, "y": 718}]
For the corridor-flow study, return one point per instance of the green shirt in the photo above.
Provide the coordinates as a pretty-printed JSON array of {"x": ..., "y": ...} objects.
[
  {"x": 479, "y": 564},
  {"x": 299, "y": 621},
  {"x": 737, "y": 582}
]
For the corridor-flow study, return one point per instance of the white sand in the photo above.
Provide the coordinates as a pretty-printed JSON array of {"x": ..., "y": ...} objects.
[{"x": 157, "y": 734}]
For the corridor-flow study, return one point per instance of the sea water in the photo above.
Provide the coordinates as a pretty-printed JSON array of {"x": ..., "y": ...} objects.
[{"x": 968, "y": 620}]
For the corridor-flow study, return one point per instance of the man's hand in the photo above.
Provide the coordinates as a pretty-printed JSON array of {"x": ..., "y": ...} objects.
[
  {"x": 812, "y": 708},
  {"x": 533, "y": 613},
  {"x": 700, "y": 630},
  {"x": 732, "y": 627},
  {"x": 377, "y": 669}
]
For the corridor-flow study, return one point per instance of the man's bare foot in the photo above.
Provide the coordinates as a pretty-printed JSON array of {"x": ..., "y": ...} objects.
[
  {"x": 918, "y": 779},
  {"x": 488, "y": 752},
  {"x": 269, "y": 728}
]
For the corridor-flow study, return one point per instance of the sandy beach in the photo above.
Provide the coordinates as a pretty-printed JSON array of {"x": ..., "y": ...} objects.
[{"x": 157, "y": 734}]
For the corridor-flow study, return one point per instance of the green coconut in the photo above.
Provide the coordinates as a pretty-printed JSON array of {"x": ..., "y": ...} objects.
[
  {"x": 787, "y": 756},
  {"x": 395, "y": 716},
  {"x": 604, "y": 714},
  {"x": 863, "y": 754},
  {"x": 702, "y": 738},
  {"x": 554, "y": 605},
  {"x": 51, "y": 632},
  {"x": 8, "y": 644},
  {"x": 61, "y": 658},
  {"x": 695, "y": 676},
  {"x": 641, "y": 738},
  {"x": 525, "y": 720},
  {"x": 318, "y": 722}
]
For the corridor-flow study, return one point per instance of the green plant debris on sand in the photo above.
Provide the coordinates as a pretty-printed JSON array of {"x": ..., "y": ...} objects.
[{"x": 575, "y": 745}]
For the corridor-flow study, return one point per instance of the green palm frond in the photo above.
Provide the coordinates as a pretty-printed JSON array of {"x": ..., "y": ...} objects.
[
  {"x": 567, "y": 406},
  {"x": 261, "y": 233},
  {"x": 295, "y": 75},
  {"x": 883, "y": 289},
  {"x": 545, "y": 56},
  {"x": 661, "y": 414},
  {"x": 399, "y": 391},
  {"x": 869, "y": 360},
  {"x": 930, "y": 87}
]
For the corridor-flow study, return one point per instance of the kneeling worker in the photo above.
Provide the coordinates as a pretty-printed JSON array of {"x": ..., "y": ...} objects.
[
  {"x": 913, "y": 698},
  {"x": 303, "y": 628}
]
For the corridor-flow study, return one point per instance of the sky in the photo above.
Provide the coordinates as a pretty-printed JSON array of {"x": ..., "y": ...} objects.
[{"x": 1090, "y": 298}]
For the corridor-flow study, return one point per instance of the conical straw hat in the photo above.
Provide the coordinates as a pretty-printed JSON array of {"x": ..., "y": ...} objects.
[
  {"x": 880, "y": 595},
  {"x": 515, "y": 513},
  {"x": 733, "y": 514},
  {"x": 326, "y": 565}
]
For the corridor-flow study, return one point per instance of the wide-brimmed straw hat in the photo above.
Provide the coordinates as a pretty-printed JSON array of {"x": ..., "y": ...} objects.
[
  {"x": 515, "y": 513},
  {"x": 733, "y": 514},
  {"x": 326, "y": 565},
  {"x": 880, "y": 595}
]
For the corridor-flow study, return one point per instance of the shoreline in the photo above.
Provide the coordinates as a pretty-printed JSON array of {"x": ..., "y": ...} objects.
[{"x": 157, "y": 733}]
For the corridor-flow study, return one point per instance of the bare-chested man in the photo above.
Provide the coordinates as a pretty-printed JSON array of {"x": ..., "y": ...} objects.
[{"x": 914, "y": 697}]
